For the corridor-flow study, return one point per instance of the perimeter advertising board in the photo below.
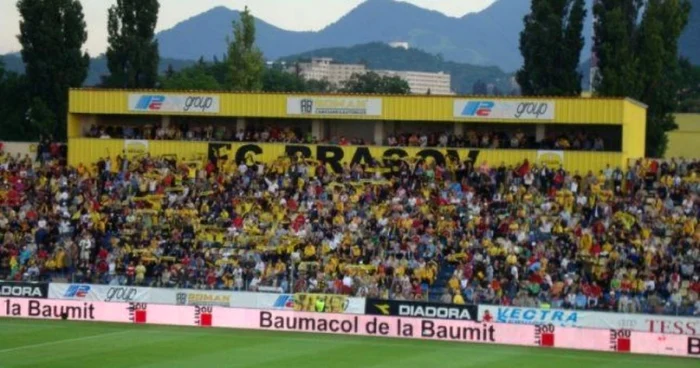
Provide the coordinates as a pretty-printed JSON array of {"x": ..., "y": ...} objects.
[
  {"x": 589, "y": 319},
  {"x": 408, "y": 308},
  {"x": 549, "y": 336},
  {"x": 99, "y": 293},
  {"x": 12, "y": 289},
  {"x": 193, "y": 297}
]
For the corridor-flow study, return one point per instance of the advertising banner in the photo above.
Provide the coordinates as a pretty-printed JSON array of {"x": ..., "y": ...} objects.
[
  {"x": 220, "y": 298},
  {"x": 99, "y": 293},
  {"x": 334, "y": 106},
  {"x": 590, "y": 319},
  {"x": 191, "y": 297},
  {"x": 485, "y": 109},
  {"x": 553, "y": 159},
  {"x": 24, "y": 289},
  {"x": 87, "y": 150},
  {"x": 549, "y": 336},
  {"x": 407, "y": 308},
  {"x": 184, "y": 103},
  {"x": 333, "y": 303},
  {"x": 135, "y": 147},
  {"x": 335, "y": 156}
]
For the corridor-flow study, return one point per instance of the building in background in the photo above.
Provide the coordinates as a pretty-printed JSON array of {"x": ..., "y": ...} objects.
[
  {"x": 326, "y": 68},
  {"x": 337, "y": 73},
  {"x": 399, "y": 45},
  {"x": 422, "y": 82}
]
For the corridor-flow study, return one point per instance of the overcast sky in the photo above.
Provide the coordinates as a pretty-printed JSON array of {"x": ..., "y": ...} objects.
[{"x": 298, "y": 15}]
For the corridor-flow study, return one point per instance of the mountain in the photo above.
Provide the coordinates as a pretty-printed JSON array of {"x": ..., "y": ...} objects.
[
  {"x": 13, "y": 62},
  {"x": 98, "y": 66},
  {"x": 205, "y": 35},
  {"x": 379, "y": 55},
  {"x": 689, "y": 43},
  {"x": 489, "y": 37}
]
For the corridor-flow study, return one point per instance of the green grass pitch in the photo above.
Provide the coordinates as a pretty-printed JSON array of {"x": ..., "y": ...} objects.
[{"x": 31, "y": 343}]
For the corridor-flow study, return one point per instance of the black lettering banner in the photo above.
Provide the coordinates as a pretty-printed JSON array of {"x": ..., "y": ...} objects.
[
  {"x": 406, "y": 308},
  {"x": 33, "y": 290},
  {"x": 335, "y": 157}
]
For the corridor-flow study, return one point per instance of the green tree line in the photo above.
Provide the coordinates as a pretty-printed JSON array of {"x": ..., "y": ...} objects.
[{"x": 636, "y": 43}]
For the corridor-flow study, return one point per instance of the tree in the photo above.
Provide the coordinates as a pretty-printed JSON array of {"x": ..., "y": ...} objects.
[
  {"x": 197, "y": 77},
  {"x": 132, "y": 54},
  {"x": 245, "y": 60},
  {"x": 374, "y": 83},
  {"x": 40, "y": 116},
  {"x": 319, "y": 86},
  {"x": 689, "y": 91},
  {"x": 52, "y": 34},
  {"x": 13, "y": 94},
  {"x": 614, "y": 45},
  {"x": 639, "y": 59},
  {"x": 480, "y": 88},
  {"x": 276, "y": 79},
  {"x": 170, "y": 71},
  {"x": 551, "y": 45}
]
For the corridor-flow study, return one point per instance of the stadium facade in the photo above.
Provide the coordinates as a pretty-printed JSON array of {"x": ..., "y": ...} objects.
[{"x": 621, "y": 122}]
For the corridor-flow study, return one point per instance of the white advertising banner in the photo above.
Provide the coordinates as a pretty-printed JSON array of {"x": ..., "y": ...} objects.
[
  {"x": 334, "y": 106},
  {"x": 192, "y": 297},
  {"x": 186, "y": 103},
  {"x": 504, "y": 109},
  {"x": 622, "y": 341},
  {"x": 219, "y": 298},
  {"x": 590, "y": 319},
  {"x": 99, "y": 293},
  {"x": 244, "y": 299}
]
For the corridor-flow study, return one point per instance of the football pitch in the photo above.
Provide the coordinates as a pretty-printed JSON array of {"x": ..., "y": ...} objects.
[{"x": 31, "y": 343}]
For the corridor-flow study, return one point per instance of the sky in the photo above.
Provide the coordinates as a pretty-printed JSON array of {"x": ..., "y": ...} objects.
[{"x": 297, "y": 15}]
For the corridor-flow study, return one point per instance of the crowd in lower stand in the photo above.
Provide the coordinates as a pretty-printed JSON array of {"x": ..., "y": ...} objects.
[
  {"x": 622, "y": 239},
  {"x": 471, "y": 139}
]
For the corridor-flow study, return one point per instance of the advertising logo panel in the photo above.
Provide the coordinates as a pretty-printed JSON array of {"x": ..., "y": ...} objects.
[
  {"x": 190, "y": 103},
  {"x": 401, "y": 308},
  {"x": 9, "y": 289},
  {"x": 504, "y": 109},
  {"x": 334, "y": 106}
]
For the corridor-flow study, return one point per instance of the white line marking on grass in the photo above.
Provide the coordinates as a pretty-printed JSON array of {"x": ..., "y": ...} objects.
[{"x": 24, "y": 347}]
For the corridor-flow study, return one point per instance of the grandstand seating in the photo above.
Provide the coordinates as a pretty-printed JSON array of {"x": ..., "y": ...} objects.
[{"x": 623, "y": 240}]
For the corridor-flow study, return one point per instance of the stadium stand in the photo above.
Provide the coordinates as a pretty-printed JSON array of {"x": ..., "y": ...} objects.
[
  {"x": 516, "y": 139},
  {"x": 463, "y": 232}
]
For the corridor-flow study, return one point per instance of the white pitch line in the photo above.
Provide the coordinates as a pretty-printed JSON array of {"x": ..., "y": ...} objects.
[{"x": 24, "y": 347}]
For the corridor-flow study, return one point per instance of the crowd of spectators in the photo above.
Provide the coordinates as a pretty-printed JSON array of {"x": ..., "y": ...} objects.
[
  {"x": 618, "y": 239},
  {"x": 471, "y": 139}
]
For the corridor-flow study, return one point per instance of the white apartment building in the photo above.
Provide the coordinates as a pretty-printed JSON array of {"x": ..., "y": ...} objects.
[
  {"x": 337, "y": 73},
  {"x": 325, "y": 68},
  {"x": 422, "y": 82}
]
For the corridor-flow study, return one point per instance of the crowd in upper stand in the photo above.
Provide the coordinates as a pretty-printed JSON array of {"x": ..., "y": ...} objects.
[
  {"x": 471, "y": 138},
  {"x": 620, "y": 239}
]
